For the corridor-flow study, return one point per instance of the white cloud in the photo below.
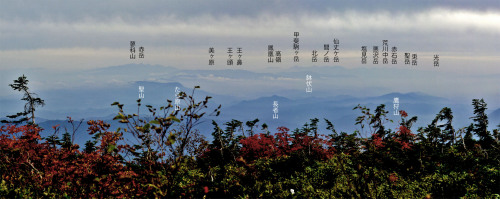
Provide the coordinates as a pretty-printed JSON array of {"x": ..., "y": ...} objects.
[
  {"x": 467, "y": 40},
  {"x": 92, "y": 32},
  {"x": 433, "y": 20}
]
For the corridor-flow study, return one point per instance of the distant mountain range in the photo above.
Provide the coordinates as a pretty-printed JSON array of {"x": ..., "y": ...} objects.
[
  {"x": 295, "y": 106},
  {"x": 295, "y": 113},
  {"x": 291, "y": 113}
]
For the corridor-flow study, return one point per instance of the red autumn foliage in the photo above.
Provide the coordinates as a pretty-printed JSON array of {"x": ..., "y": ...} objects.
[
  {"x": 282, "y": 144},
  {"x": 377, "y": 141},
  {"x": 393, "y": 178},
  {"x": 403, "y": 113},
  {"x": 404, "y": 137},
  {"x": 259, "y": 145},
  {"x": 95, "y": 174}
]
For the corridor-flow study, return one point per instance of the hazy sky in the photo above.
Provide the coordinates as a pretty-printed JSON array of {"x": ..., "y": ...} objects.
[{"x": 72, "y": 36}]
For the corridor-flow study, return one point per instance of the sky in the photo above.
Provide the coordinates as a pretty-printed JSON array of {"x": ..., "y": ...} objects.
[{"x": 54, "y": 41}]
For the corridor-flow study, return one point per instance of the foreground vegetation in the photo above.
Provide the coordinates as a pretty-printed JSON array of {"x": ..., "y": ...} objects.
[{"x": 170, "y": 158}]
